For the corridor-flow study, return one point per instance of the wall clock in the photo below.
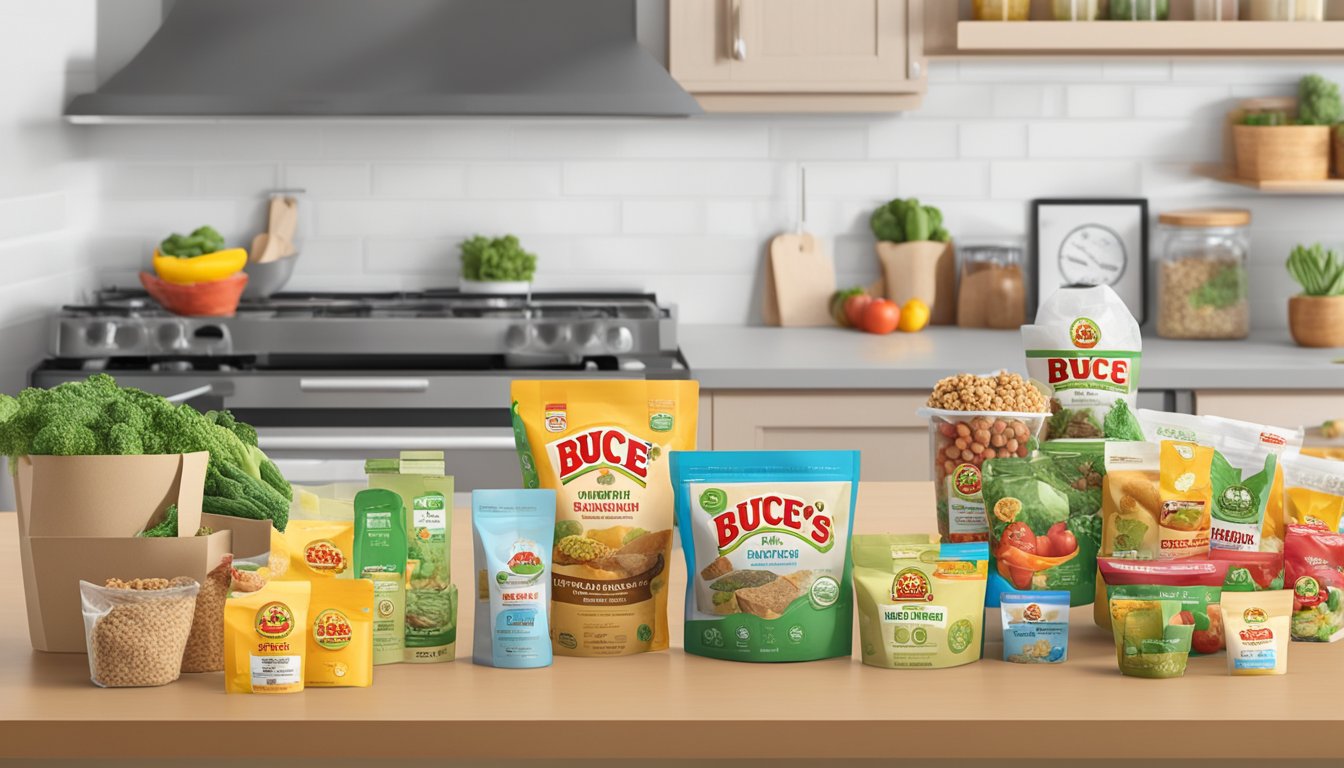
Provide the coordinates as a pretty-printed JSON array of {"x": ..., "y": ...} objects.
[{"x": 1092, "y": 242}]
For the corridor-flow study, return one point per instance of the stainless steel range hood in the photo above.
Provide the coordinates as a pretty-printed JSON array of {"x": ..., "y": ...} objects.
[{"x": 389, "y": 58}]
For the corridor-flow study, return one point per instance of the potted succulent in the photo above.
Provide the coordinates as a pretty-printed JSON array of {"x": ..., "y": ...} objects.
[
  {"x": 1290, "y": 141},
  {"x": 496, "y": 265},
  {"x": 1316, "y": 316},
  {"x": 917, "y": 256}
]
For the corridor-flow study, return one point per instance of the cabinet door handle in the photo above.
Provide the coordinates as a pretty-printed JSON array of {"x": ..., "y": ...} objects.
[{"x": 739, "y": 44}]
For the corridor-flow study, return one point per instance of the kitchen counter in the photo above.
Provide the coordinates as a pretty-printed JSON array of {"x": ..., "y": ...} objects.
[
  {"x": 671, "y": 705},
  {"x": 745, "y": 357}
]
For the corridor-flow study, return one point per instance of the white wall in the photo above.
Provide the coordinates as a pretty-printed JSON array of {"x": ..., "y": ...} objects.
[
  {"x": 46, "y": 195},
  {"x": 684, "y": 207}
]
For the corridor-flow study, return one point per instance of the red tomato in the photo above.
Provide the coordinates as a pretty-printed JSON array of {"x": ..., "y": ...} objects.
[
  {"x": 1020, "y": 536},
  {"x": 1063, "y": 542},
  {"x": 1057, "y": 528},
  {"x": 854, "y": 307},
  {"x": 881, "y": 316},
  {"x": 1184, "y": 617},
  {"x": 1021, "y": 577},
  {"x": 1044, "y": 547}
]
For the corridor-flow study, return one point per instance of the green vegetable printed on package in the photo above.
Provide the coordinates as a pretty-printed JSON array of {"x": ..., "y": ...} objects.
[{"x": 95, "y": 417}]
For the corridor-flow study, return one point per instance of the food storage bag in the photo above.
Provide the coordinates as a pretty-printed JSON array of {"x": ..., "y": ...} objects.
[{"x": 136, "y": 631}]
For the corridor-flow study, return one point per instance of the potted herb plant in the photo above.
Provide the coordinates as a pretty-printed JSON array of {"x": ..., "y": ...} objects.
[
  {"x": 496, "y": 265},
  {"x": 1290, "y": 142},
  {"x": 1316, "y": 316},
  {"x": 918, "y": 260}
]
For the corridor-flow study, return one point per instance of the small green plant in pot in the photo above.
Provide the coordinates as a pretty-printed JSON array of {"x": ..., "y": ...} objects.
[
  {"x": 496, "y": 265},
  {"x": 918, "y": 261},
  {"x": 1316, "y": 315},
  {"x": 1289, "y": 141}
]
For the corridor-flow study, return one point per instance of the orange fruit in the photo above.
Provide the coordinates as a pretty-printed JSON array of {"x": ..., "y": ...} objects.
[{"x": 914, "y": 316}]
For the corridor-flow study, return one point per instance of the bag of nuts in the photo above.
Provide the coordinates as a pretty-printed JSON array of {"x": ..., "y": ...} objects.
[
  {"x": 137, "y": 630},
  {"x": 205, "y": 644},
  {"x": 973, "y": 419}
]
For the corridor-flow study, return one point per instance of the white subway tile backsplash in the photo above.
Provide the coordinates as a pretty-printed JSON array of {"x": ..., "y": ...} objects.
[
  {"x": 1011, "y": 100},
  {"x": 31, "y": 215},
  {"x": 710, "y": 137},
  {"x": 147, "y": 180},
  {"x": 1027, "y": 179},
  {"x": 903, "y": 138},
  {"x": 1025, "y": 70},
  {"x": 842, "y": 142},
  {"x": 956, "y": 100},
  {"x": 329, "y": 179},
  {"x": 667, "y": 255},
  {"x": 870, "y": 179},
  {"x": 1136, "y": 71},
  {"x": 505, "y": 181},
  {"x": 419, "y": 181},
  {"x": 944, "y": 179},
  {"x": 411, "y": 255},
  {"x": 1099, "y": 101},
  {"x": 670, "y": 179},
  {"x": 671, "y": 217},
  {"x": 1180, "y": 100},
  {"x": 1159, "y": 140},
  {"x": 235, "y": 180},
  {"x": 428, "y": 218},
  {"x": 984, "y": 139},
  {"x": 159, "y": 217},
  {"x": 330, "y": 255}
]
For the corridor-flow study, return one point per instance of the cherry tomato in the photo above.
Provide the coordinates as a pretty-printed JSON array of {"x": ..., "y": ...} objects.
[
  {"x": 1063, "y": 543},
  {"x": 854, "y": 307},
  {"x": 1057, "y": 528},
  {"x": 1044, "y": 547},
  {"x": 881, "y": 316}
]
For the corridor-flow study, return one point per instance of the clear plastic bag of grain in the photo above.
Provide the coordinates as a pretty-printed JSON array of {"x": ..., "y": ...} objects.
[
  {"x": 205, "y": 644},
  {"x": 137, "y": 630}
]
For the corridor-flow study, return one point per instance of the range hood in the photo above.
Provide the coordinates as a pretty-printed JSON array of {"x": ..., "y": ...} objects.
[{"x": 389, "y": 58}]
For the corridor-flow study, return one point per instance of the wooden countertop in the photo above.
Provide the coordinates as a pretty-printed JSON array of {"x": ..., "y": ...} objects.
[{"x": 672, "y": 705}]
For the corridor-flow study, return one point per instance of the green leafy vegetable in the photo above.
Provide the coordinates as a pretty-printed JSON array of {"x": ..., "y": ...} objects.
[
  {"x": 907, "y": 221},
  {"x": 166, "y": 528},
  {"x": 97, "y": 417},
  {"x": 1226, "y": 288},
  {"x": 1266, "y": 118},
  {"x": 1121, "y": 424},
  {"x": 1318, "y": 101},
  {"x": 201, "y": 241},
  {"x": 500, "y": 258},
  {"x": 1129, "y": 534},
  {"x": 1318, "y": 271}
]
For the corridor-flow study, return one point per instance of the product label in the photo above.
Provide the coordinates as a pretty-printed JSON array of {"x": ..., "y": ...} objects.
[
  {"x": 270, "y": 672},
  {"x": 965, "y": 504},
  {"x": 331, "y": 630}
]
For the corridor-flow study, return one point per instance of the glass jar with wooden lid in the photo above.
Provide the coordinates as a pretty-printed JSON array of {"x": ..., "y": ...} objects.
[{"x": 1202, "y": 290}]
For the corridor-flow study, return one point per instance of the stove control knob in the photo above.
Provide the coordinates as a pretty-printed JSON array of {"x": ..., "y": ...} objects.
[
  {"x": 619, "y": 339},
  {"x": 101, "y": 335},
  {"x": 172, "y": 336},
  {"x": 518, "y": 338}
]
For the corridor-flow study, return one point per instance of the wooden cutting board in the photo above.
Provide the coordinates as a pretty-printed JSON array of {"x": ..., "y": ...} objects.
[{"x": 803, "y": 276}]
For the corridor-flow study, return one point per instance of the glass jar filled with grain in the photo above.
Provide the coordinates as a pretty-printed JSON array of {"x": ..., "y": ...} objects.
[{"x": 1201, "y": 278}]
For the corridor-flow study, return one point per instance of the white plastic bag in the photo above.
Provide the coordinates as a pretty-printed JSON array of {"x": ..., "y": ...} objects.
[{"x": 1083, "y": 351}]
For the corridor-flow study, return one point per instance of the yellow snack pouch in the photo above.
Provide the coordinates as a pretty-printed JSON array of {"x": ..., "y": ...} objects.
[
  {"x": 603, "y": 447},
  {"x": 264, "y": 638},
  {"x": 1186, "y": 488},
  {"x": 340, "y": 635},
  {"x": 311, "y": 549},
  {"x": 1314, "y": 491}
]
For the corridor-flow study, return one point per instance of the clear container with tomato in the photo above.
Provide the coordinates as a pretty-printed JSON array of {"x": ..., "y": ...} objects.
[{"x": 960, "y": 442}]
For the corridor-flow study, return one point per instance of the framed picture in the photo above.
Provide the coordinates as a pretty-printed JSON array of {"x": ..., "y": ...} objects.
[{"x": 1092, "y": 242}]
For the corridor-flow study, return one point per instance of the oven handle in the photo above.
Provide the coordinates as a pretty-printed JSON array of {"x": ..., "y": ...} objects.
[
  {"x": 366, "y": 384},
  {"x": 384, "y": 443},
  {"x": 190, "y": 394}
]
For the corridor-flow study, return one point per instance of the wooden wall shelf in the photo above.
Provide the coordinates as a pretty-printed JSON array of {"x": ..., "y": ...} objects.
[
  {"x": 1225, "y": 175},
  {"x": 1151, "y": 37}
]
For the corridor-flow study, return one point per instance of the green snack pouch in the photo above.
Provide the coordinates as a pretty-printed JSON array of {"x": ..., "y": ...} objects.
[
  {"x": 1150, "y": 639},
  {"x": 431, "y": 598},
  {"x": 380, "y": 556},
  {"x": 1196, "y": 585}
]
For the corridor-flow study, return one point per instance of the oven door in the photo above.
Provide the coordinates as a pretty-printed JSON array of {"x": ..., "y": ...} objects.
[{"x": 477, "y": 457}]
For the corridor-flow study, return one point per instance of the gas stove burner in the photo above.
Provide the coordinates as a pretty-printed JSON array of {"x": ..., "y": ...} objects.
[{"x": 562, "y": 329}]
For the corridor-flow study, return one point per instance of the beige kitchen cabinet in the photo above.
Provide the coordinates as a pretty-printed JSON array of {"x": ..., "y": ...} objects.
[
  {"x": 884, "y": 425},
  {"x": 1281, "y": 408},
  {"x": 798, "y": 55}
]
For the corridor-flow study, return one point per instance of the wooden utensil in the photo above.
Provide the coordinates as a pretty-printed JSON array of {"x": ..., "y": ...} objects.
[
  {"x": 802, "y": 273},
  {"x": 277, "y": 241}
]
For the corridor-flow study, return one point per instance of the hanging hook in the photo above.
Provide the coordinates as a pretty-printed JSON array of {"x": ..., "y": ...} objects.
[{"x": 802, "y": 198}]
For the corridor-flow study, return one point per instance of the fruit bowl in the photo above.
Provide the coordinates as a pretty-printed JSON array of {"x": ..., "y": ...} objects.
[{"x": 216, "y": 298}]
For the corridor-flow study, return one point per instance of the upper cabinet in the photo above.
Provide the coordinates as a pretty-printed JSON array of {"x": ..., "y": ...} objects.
[{"x": 798, "y": 55}]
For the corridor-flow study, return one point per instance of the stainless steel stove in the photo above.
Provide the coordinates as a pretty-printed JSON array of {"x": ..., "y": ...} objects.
[{"x": 330, "y": 379}]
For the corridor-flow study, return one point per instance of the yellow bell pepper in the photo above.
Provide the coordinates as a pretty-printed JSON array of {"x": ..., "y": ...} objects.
[{"x": 199, "y": 269}]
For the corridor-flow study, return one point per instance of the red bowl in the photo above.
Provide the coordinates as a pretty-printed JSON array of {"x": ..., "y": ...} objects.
[{"x": 217, "y": 298}]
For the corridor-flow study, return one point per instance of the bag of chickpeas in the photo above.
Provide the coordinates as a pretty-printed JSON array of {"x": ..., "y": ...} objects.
[
  {"x": 973, "y": 419},
  {"x": 137, "y": 630}
]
